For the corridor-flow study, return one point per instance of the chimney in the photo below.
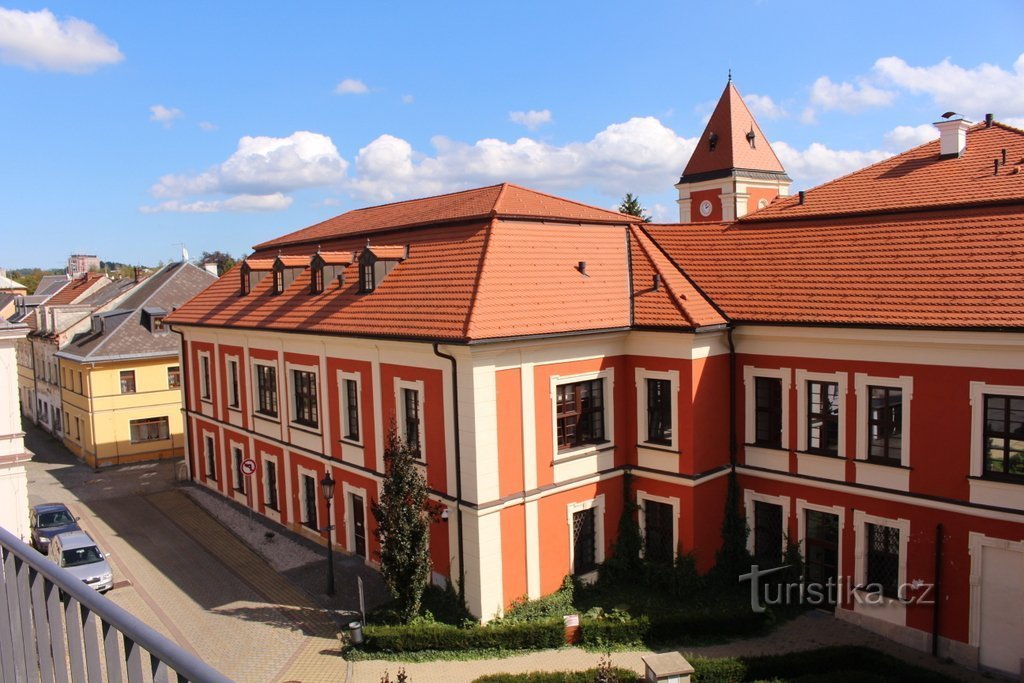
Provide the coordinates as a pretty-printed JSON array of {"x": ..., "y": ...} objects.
[
  {"x": 989, "y": 118},
  {"x": 803, "y": 196},
  {"x": 211, "y": 268},
  {"x": 952, "y": 136}
]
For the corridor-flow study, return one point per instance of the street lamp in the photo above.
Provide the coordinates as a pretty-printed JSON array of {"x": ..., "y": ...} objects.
[{"x": 327, "y": 486}]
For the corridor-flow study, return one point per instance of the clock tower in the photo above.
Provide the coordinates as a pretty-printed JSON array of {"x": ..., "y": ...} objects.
[{"x": 733, "y": 170}]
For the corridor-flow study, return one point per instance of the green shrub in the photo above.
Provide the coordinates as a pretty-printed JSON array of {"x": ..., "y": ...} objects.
[
  {"x": 556, "y": 605},
  {"x": 724, "y": 670},
  {"x": 614, "y": 629},
  {"x": 423, "y": 635},
  {"x": 588, "y": 676}
]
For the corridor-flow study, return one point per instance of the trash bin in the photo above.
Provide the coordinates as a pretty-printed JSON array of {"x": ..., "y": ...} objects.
[{"x": 355, "y": 632}]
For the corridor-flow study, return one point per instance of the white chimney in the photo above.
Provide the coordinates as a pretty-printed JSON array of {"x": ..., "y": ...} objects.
[
  {"x": 211, "y": 268},
  {"x": 952, "y": 136}
]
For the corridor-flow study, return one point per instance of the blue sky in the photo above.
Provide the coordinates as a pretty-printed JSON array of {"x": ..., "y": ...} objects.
[{"x": 128, "y": 128}]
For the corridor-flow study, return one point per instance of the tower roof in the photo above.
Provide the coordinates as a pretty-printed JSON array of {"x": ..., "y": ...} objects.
[{"x": 731, "y": 141}]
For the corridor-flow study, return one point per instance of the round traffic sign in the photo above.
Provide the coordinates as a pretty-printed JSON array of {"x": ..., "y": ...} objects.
[{"x": 248, "y": 466}]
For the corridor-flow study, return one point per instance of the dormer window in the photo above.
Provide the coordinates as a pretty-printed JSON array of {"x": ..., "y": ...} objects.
[
  {"x": 366, "y": 279},
  {"x": 326, "y": 267},
  {"x": 712, "y": 141},
  {"x": 252, "y": 273},
  {"x": 153, "y": 319},
  {"x": 244, "y": 272},
  {"x": 278, "y": 280},
  {"x": 375, "y": 262},
  {"x": 286, "y": 269},
  {"x": 316, "y": 279}
]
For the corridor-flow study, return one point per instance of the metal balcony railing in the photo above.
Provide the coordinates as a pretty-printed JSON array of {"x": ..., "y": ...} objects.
[{"x": 56, "y": 629}]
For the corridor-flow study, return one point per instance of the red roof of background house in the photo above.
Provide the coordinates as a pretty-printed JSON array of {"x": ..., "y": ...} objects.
[
  {"x": 918, "y": 179},
  {"x": 75, "y": 289},
  {"x": 505, "y": 200},
  {"x": 732, "y": 122}
]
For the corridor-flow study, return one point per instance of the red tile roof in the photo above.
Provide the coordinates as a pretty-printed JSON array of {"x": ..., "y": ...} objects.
[
  {"x": 293, "y": 261},
  {"x": 927, "y": 269},
  {"x": 505, "y": 201},
  {"x": 918, "y": 179},
  {"x": 259, "y": 263},
  {"x": 387, "y": 252},
  {"x": 732, "y": 122},
  {"x": 336, "y": 258},
  {"x": 75, "y": 289}
]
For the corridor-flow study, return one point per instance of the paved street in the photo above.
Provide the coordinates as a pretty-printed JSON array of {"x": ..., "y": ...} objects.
[{"x": 186, "y": 575}]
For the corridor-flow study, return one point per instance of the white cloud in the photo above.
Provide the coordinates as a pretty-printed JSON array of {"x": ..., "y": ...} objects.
[
  {"x": 408, "y": 99},
  {"x": 975, "y": 91},
  {"x": 351, "y": 86},
  {"x": 639, "y": 155},
  {"x": 532, "y": 119},
  {"x": 904, "y": 137},
  {"x": 207, "y": 126},
  {"x": 239, "y": 203},
  {"x": 847, "y": 96},
  {"x": 38, "y": 40},
  {"x": 263, "y": 165},
  {"x": 165, "y": 115},
  {"x": 1015, "y": 121},
  {"x": 818, "y": 164},
  {"x": 808, "y": 116},
  {"x": 764, "y": 106}
]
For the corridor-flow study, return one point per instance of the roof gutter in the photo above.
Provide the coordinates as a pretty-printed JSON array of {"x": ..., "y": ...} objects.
[{"x": 458, "y": 470}]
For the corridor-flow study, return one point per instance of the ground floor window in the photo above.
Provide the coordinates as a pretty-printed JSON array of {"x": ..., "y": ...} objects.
[
  {"x": 767, "y": 534},
  {"x": 237, "y": 457},
  {"x": 883, "y": 558},
  {"x": 584, "y": 541},
  {"x": 270, "y": 475},
  {"x": 309, "y": 501},
  {"x": 211, "y": 460},
  {"x": 658, "y": 541},
  {"x": 149, "y": 429}
]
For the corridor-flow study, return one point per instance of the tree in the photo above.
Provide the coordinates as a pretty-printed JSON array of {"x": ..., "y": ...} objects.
[
  {"x": 403, "y": 527},
  {"x": 733, "y": 558},
  {"x": 225, "y": 262},
  {"x": 631, "y": 206}
]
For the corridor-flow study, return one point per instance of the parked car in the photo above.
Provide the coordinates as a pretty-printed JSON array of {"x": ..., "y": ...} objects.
[
  {"x": 79, "y": 554},
  {"x": 47, "y": 520}
]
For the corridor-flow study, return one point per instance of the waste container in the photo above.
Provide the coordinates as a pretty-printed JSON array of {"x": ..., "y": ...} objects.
[{"x": 355, "y": 632}]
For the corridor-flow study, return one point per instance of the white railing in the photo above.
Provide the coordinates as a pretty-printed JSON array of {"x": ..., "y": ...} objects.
[{"x": 56, "y": 629}]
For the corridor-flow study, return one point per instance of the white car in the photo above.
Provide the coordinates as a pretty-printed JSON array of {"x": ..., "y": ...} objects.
[{"x": 79, "y": 554}]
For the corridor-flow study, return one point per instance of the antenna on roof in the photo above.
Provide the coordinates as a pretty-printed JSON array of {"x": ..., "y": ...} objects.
[
  {"x": 730, "y": 75},
  {"x": 184, "y": 251}
]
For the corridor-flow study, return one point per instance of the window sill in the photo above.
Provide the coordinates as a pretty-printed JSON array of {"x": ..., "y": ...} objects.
[
  {"x": 350, "y": 442},
  {"x": 996, "y": 492},
  {"x": 1009, "y": 480},
  {"x": 235, "y": 409},
  {"x": 664, "y": 448},
  {"x": 830, "y": 456},
  {"x": 269, "y": 418},
  {"x": 766, "y": 447},
  {"x": 883, "y": 463},
  {"x": 308, "y": 429},
  {"x": 579, "y": 452}
]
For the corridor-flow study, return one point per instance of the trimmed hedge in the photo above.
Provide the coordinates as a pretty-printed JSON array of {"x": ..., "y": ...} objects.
[
  {"x": 831, "y": 662},
  {"x": 535, "y": 635},
  {"x": 669, "y": 627},
  {"x": 589, "y": 676}
]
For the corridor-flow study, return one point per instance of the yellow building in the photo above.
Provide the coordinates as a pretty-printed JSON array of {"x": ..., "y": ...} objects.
[{"x": 121, "y": 379}]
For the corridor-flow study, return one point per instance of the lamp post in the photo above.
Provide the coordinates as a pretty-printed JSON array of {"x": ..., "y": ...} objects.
[{"x": 327, "y": 486}]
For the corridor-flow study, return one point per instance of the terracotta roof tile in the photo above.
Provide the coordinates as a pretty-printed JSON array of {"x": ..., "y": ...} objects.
[
  {"x": 916, "y": 179},
  {"x": 336, "y": 258},
  {"x": 503, "y": 200},
  {"x": 259, "y": 263},
  {"x": 387, "y": 252},
  {"x": 75, "y": 289},
  {"x": 293, "y": 261}
]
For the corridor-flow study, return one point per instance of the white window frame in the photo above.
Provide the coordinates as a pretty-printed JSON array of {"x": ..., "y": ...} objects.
[
  {"x": 290, "y": 369},
  {"x": 642, "y": 375},
  {"x": 802, "y": 378},
  {"x": 749, "y": 498},
  {"x": 896, "y": 608},
  {"x": 641, "y": 498},
  {"x": 206, "y": 380},
  {"x": 356, "y": 377},
  {"x": 861, "y": 382},
  {"x": 240, "y": 448},
  {"x": 272, "y": 512},
  {"x": 608, "y": 375},
  {"x": 978, "y": 391},
  {"x": 234, "y": 394},
  {"x": 418, "y": 386},
  {"x": 801, "y": 529},
  {"x": 254, "y": 408},
  {"x": 210, "y": 449},
  {"x": 750, "y": 375},
  {"x": 596, "y": 503},
  {"x": 302, "y": 471}
]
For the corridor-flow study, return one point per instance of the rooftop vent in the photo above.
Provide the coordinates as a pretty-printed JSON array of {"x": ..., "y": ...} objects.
[
  {"x": 952, "y": 134},
  {"x": 803, "y": 197},
  {"x": 582, "y": 267},
  {"x": 989, "y": 118}
]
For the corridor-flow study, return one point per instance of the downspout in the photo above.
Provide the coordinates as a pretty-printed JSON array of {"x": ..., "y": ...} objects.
[
  {"x": 937, "y": 590},
  {"x": 187, "y": 451},
  {"x": 458, "y": 471},
  {"x": 733, "y": 447}
]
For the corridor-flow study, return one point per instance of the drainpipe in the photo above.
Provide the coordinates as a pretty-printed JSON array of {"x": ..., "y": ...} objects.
[
  {"x": 733, "y": 447},
  {"x": 937, "y": 590},
  {"x": 458, "y": 470},
  {"x": 186, "y": 445}
]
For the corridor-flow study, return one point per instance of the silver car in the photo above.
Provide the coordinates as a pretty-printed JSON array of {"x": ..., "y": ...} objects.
[{"x": 79, "y": 554}]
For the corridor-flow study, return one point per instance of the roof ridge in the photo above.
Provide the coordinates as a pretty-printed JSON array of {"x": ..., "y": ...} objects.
[
  {"x": 654, "y": 266},
  {"x": 693, "y": 283},
  {"x": 478, "y": 280},
  {"x": 418, "y": 199},
  {"x": 627, "y": 218}
]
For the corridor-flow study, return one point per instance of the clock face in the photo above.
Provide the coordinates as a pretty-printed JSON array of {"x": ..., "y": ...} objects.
[{"x": 705, "y": 208}]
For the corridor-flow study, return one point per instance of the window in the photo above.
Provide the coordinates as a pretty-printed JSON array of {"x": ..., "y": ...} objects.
[
  {"x": 885, "y": 424},
  {"x": 151, "y": 429},
  {"x": 411, "y": 420},
  {"x": 174, "y": 377},
  {"x": 158, "y": 324},
  {"x": 204, "y": 377},
  {"x": 211, "y": 459},
  {"x": 78, "y": 428},
  {"x": 658, "y": 532},
  {"x": 768, "y": 412},
  {"x": 278, "y": 281},
  {"x": 352, "y": 410},
  {"x": 366, "y": 283},
  {"x": 883, "y": 558},
  {"x": 316, "y": 279},
  {"x": 767, "y": 534},
  {"x": 56, "y": 418},
  {"x": 304, "y": 387},
  {"x": 659, "y": 411},
  {"x": 266, "y": 387},
  {"x": 233, "y": 400},
  {"x": 270, "y": 484},
  {"x": 823, "y": 417},
  {"x": 309, "y": 501},
  {"x": 80, "y": 389},
  {"x": 583, "y": 542},
  {"x": 127, "y": 381},
  {"x": 1003, "y": 437},
  {"x": 237, "y": 457},
  {"x": 579, "y": 410}
]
